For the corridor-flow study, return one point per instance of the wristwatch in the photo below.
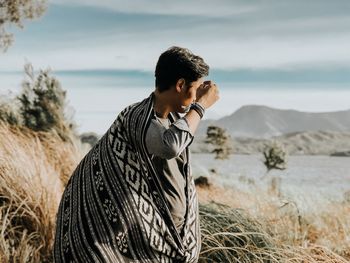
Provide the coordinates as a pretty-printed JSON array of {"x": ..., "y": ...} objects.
[{"x": 198, "y": 108}]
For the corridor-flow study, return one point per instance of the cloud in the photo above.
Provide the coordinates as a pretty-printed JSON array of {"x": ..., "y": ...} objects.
[
  {"x": 220, "y": 8},
  {"x": 228, "y": 34},
  {"x": 202, "y": 7},
  {"x": 134, "y": 52}
]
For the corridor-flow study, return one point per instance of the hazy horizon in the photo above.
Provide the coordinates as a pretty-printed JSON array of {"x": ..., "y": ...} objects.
[{"x": 97, "y": 97}]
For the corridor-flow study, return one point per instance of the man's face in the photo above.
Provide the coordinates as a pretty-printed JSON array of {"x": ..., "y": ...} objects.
[{"x": 188, "y": 94}]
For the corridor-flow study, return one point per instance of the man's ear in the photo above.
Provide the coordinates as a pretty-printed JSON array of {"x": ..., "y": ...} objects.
[{"x": 180, "y": 84}]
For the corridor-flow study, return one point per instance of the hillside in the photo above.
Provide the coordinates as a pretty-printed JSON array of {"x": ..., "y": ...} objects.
[
  {"x": 254, "y": 121},
  {"x": 303, "y": 143}
]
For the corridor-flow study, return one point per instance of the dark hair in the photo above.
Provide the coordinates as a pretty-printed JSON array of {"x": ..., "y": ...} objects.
[{"x": 176, "y": 63}]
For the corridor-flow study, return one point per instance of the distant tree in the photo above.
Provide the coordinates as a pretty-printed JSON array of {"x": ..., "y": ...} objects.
[
  {"x": 275, "y": 156},
  {"x": 14, "y": 12},
  {"x": 221, "y": 140}
]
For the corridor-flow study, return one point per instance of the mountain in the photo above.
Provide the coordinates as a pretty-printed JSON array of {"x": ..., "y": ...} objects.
[
  {"x": 255, "y": 121},
  {"x": 297, "y": 143}
]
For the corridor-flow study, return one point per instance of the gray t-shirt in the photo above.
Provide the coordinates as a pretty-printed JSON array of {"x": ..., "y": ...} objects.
[{"x": 166, "y": 141}]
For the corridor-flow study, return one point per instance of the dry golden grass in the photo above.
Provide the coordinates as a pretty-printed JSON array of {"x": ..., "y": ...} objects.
[
  {"x": 321, "y": 236},
  {"x": 249, "y": 227},
  {"x": 33, "y": 169}
]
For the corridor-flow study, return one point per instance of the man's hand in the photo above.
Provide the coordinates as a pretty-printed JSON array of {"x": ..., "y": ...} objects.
[{"x": 207, "y": 94}]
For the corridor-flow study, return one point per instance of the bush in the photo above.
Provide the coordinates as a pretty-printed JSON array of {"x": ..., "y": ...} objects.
[{"x": 41, "y": 105}]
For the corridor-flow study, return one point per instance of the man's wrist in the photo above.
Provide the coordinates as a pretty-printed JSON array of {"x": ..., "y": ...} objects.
[{"x": 198, "y": 107}]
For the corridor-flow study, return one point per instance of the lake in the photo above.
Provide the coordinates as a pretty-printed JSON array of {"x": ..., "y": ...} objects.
[{"x": 307, "y": 179}]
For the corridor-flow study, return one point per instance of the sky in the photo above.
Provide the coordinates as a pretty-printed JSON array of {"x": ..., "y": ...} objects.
[
  {"x": 259, "y": 36},
  {"x": 279, "y": 53}
]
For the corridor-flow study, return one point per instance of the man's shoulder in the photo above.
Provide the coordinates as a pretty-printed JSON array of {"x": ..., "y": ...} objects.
[
  {"x": 118, "y": 126},
  {"x": 134, "y": 105},
  {"x": 130, "y": 107}
]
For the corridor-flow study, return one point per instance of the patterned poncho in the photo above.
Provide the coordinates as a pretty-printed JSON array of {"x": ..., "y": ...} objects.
[{"x": 114, "y": 209}]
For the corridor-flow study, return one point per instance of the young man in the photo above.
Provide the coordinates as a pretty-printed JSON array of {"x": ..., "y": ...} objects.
[{"x": 132, "y": 198}]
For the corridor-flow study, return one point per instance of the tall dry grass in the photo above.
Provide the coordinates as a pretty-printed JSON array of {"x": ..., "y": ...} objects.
[
  {"x": 290, "y": 235},
  {"x": 33, "y": 169},
  {"x": 238, "y": 227}
]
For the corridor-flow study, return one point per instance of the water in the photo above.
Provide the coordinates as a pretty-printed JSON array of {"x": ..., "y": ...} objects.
[{"x": 307, "y": 178}]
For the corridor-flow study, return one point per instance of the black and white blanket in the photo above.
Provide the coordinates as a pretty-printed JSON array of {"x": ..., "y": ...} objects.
[{"x": 113, "y": 208}]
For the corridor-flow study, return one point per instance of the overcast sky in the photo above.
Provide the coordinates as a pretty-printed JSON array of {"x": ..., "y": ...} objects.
[
  {"x": 291, "y": 54},
  {"x": 256, "y": 35}
]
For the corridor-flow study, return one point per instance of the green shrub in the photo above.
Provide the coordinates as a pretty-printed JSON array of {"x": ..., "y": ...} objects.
[
  {"x": 43, "y": 103},
  {"x": 40, "y": 106}
]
